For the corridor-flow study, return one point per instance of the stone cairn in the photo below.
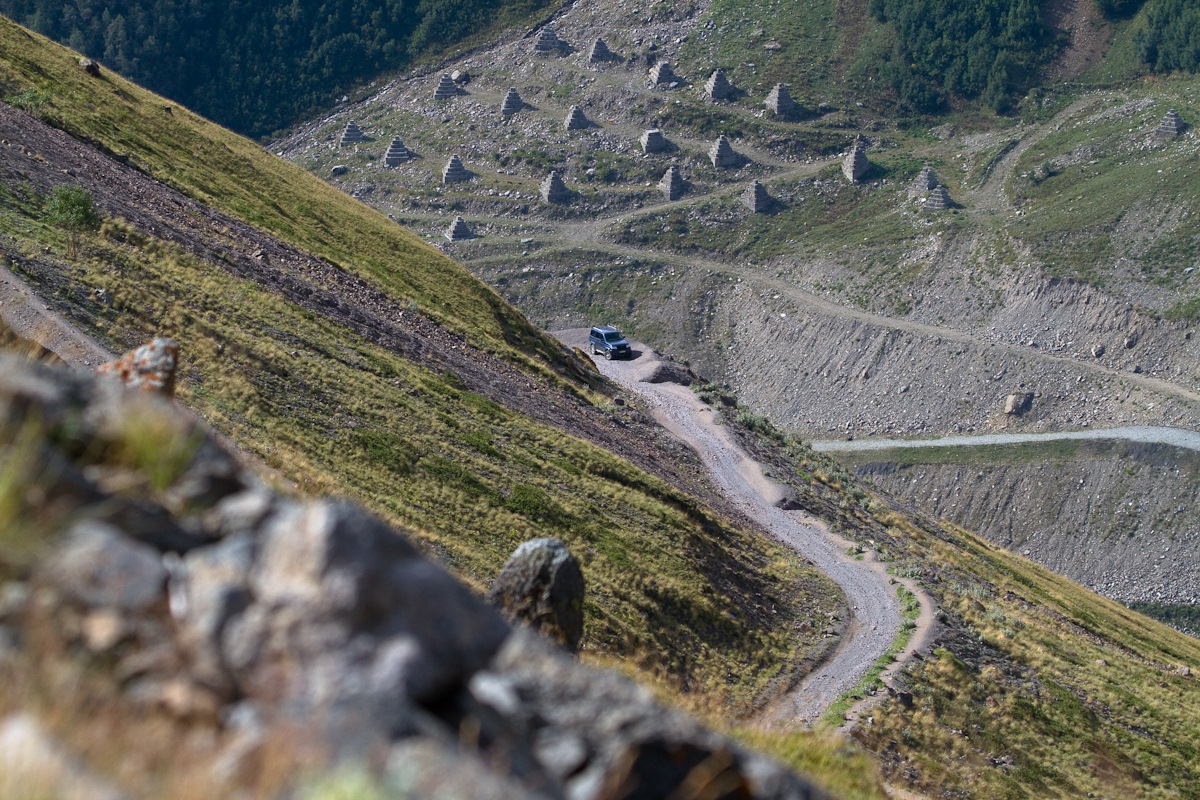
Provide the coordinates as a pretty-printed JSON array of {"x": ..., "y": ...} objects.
[
  {"x": 653, "y": 141},
  {"x": 723, "y": 155},
  {"x": 600, "y": 52},
  {"x": 352, "y": 135},
  {"x": 938, "y": 200},
  {"x": 672, "y": 184},
  {"x": 150, "y": 367},
  {"x": 576, "y": 120},
  {"x": 554, "y": 190},
  {"x": 396, "y": 153},
  {"x": 756, "y": 198},
  {"x": 718, "y": 86},
  {"x": 855, "y": 165},
  {"x": 780, "y": 101},
  {"x": 662, "y": 75},
  {"x": 458, "y": 230},
  {"x": 512, "y": 103},
  {"x": 446, "y": 88},
  {"x": 548, "y": 42},
  {"x": 1171, "y": 126},
  {"x": 925, "y": 181},
  {"x": 454, "y": 171}
]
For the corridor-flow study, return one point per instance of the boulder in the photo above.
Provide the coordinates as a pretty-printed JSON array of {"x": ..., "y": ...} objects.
[
  {"x": 541, "y": 585},
  {"x": 1017, "y": 404},
  {"x": 90, "y": 67},
  {"x": 150, "y": 367}
]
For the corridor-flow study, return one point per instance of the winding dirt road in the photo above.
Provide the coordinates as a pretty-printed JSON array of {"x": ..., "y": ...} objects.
[{"x": 870, "y": 593}]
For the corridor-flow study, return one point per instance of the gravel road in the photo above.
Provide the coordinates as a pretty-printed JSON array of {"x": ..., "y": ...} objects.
[
  {"x": 1176, "y": 437},
  {"x": 874, "y": 609}
]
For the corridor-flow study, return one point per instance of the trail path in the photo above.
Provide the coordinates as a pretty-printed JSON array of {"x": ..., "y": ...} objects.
[
  {"x": 1176, "y": 437},
  {"x": 28, "y": 315},
  {"x": 870, "y": 595}
]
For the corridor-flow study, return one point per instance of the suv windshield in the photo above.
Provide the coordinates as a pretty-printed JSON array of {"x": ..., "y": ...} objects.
[{"x": 612, "y": 337}]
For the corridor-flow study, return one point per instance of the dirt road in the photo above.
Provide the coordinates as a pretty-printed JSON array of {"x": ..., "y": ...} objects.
[
  {"x": 870, "y": 595},
  {"x": 1176, "y": 437}
]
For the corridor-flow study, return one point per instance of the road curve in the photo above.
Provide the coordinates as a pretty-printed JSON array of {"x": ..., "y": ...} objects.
[
  {"x": 1176, "y": 437},
  {"x": 870, "y": 595}
]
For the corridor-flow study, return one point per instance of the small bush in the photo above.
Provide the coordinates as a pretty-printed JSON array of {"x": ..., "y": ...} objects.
[
  {"x": 72, "y": 209},
  {"x": 30, "y": 101}
]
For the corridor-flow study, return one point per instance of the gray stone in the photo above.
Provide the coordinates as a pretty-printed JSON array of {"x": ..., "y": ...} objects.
[
  {"x": 351, "y": 135},
  {"x": 756, "y": 198},
  {"x": 1172, "y": 125},
  {"x": 856, "y": 164},
  {"x": 662, "y": 75},
  {"x": 925, "y": 182},
  {"x": 33, "y": 764},
  {"x": 541, "y": 585},
  {"x": 458, "y": 230},
  {"x": 554, "y": 190},
  {"x": 446, "y": 89},
  {"x": 576, "y": 119},
  {"x": 718, "y": 86},
  {"x": 396, "y": 153},
  {"x": 99, "y": 567},
  {"x": 653, "y": 141},
  {"x": 938, "y": 200},
  {"x": 548, "y": 42},
  {"x": 455, "y": 171},
  {"x": 90, "y": 67},
  {"x": 672, "y": 184},
  {"x": 723, "y": 155},
  {"x": 780, "y": 101},
  {"x": 600, "y": 52},
  {"x": 512, "y": 103},
  {"x": 1017, "y": 404},
  {"x": 338, "y": 169}
]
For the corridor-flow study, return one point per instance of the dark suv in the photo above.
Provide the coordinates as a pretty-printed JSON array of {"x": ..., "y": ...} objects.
[{"x": 610, "y": 342}]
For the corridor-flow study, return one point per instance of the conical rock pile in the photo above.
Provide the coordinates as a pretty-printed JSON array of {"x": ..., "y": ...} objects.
[
  {"x": 780, "y": 101},
  {"x": 653, "y": 141},
  {"x": 925, "y": 181},
  {"x": 756, "y": 198},
  {"x": 554, "y": 190},
  {"x": 454, "y": 171},
  {"x": 512, "y": 103},
  {"x": 576, "y": 119},
  {"x": 718, "y": 86},
  {"x": 446, "y": 88},
  {"x": 396, "y": 153},
  {"x": 855, "y": 165},
  {"x": 458, "y": 230},
  {"x": 662, "y": 75},
  {"x": 1171, "y": 126},
  {"x": 600, "y": 52},
  {"x": 672, "y": 184},
  {"x": 351, "y": 135},
  {"x": 547, "y": 41},
  {"x": 938, "y": 200},
  {"x": 722, "y": 153}
]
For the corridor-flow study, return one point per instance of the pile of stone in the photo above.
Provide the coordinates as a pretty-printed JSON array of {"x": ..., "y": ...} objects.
[
  {"x": 396, "y": 153},
  {"x": 512, "y": 103},
  {"x": 654, "y": 142},
  {"x": 1171, "y": 126},
  {"x": 672, "y": 184},
  {"x": 554, "y": 190},
  {"x": 351, "y": 135},
  {"x": 548, "y": 42},
  {"x": 319, "y": 635},
  {"x": 855, "y": 164},
  {"x": 756, "y": 198},
  {"x": 662, "y": 75},
  {"x": 446, "y": 88},
  {"x": 723, "y": 155},
  {"x": 576, "y": 120},
  {"x": 599, "y": 52},
  {"x": 455, "y": 171},
  {"x": 718, "y": 86},
  {"x": 938, "y": 200},
  {"x": 458, "y": 230},
  {"x": 925, "y": 182},
  {"x": 780, "y": 101}
]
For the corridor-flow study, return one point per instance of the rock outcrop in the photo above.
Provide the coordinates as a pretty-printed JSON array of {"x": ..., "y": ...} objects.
[
  {"x": 313, "y": 622},
  {"x": 653, "y": 141}
]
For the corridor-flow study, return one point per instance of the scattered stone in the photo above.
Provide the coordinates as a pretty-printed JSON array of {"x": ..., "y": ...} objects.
[
  {"x": 554, "y": 190},
  {"x": 90, "y": 67},
  {"x": 576, "y": 120},
  {"x": 458, "y": 230},
  {"x": 1017, "y": 404},
  {"x": 780, "y": 101},
  {"x": 396, "y": 153},
  {"x": 938, "y": 200},
  {"x": 150, "y": 367},
  {"x": 718, "y": 86},
  {"x": 600, "y": 52},
  {"x": 455, "y": 171},
  {"x": 1183, "y": 671},
  {"x": 942, "y": 132},
  {"x": 548, "y": 42},
  {"x": 925, "y": 181},
  {"x": 662, "y": 75},
  {"x": 541, "y": 585},
  {"x": 653, "y": 141},
  {"x": 351, "y": 135},
  {"x": 512, "y": 103},
  {"x": 723, "y": 155},
  {"x": 1171, "y": 126},
  {"x": 446, "y": 89},
  {"x": 756, "y": 198},
  {"x": 34, "y": 764},
  {"x": 672, "y": 184},
  {"x": 855, "y": 165},
  {"x": 338, "y": 169}
]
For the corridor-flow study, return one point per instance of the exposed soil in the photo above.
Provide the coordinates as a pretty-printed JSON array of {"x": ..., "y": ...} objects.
[{"x": 1087, "y": 33}]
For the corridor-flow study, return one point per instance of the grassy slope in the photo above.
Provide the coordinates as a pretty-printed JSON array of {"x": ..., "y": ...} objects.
[{"x": 672, "y": 586}]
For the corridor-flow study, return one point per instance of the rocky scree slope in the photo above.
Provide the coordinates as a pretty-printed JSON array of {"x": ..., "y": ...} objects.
[{"x": 143, "y": 565}]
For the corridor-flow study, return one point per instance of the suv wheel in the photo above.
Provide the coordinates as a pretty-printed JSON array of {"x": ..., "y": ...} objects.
[{"x": 608, "y": 355}]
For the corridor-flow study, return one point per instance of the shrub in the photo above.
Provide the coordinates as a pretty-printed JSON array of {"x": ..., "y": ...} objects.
[{"x": 71, "y": 208}]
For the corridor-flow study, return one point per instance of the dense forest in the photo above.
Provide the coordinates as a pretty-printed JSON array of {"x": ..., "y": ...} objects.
[
  {"x": 1170, "y": 39},
  {"x": 987, "y": 49},
  {"x": 258, "y": 65}
]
